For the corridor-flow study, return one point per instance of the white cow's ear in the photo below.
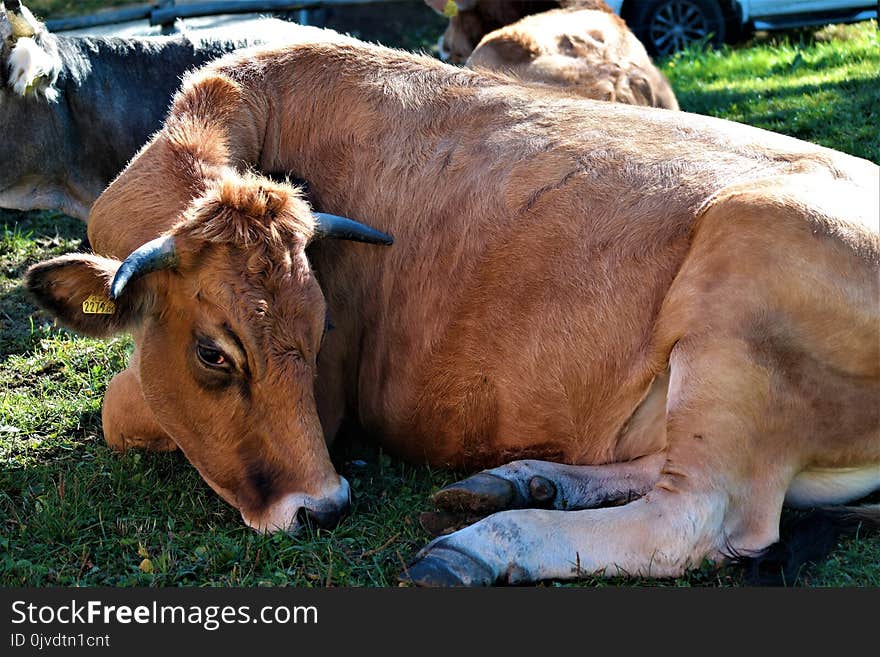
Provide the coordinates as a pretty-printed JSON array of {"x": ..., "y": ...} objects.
[{"x": 33, "y": 70}]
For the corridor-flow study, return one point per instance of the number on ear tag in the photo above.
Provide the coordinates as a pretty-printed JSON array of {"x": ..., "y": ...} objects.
[
  {"x": 451, "y": 9},
  {"x": 95, "y": 305}
]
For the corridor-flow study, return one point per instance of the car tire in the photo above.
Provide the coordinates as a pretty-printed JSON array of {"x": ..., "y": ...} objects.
[{"x": 667, "y": 26}]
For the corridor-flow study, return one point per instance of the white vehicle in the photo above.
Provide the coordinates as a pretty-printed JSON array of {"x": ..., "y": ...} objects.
[{"x": 665, "y": 26}]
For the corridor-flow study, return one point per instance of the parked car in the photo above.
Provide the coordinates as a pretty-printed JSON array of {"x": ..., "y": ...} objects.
[{"x": 665, "y": 26}]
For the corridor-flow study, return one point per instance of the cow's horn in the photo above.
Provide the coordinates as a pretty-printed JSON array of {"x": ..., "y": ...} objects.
[
  {"x": 330, "y": 225},
  {"x": 152, "y": 256},
  {"x": 21, "y": 26}
]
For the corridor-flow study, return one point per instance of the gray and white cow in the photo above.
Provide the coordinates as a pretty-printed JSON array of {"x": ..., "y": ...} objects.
[{"x": 75, "y": 109}]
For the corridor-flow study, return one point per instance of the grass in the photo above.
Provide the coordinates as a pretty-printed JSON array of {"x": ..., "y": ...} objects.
[
  {"x": 821, "y": 86},
  {"x": 74, "y": 513}
]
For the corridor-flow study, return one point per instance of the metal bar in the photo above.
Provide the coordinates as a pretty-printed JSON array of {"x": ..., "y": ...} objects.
[
  {"x": 102, "y": 18},
  {"x": 167, "y": 15},
  {"x": 165, "y": 12}
]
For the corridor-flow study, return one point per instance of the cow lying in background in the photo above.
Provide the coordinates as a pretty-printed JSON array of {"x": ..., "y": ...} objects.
[
  {"x": 587, "y": 52},
  {"x": 471, "y": 20},
  {"x": 75, "y": 110},
  {"x": 584, "y": 48},
  {"x": 679, "y": 313}
]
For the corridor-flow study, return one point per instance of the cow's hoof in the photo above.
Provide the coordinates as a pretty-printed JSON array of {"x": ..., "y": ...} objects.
[
  {"x": 440, "y": 523},
  {"x": 483, "y": 493},
  {"x": 447, "y": 567}
]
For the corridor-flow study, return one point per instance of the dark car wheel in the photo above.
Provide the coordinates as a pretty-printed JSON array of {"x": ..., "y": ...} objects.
[{"x": 666, "y": 26}]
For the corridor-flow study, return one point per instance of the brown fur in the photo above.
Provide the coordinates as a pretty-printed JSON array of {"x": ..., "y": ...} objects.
[
  {"x": 474, "y": 19},
  {"x": 560, "y": 268},
  {"x": 586, "y": 52}
]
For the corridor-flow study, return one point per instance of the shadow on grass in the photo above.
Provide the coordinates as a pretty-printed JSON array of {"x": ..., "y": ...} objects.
[
  {"x": 840, "y": 115},
  {"x": 29, "y": 237},
  {"x": 46, "y": 224},
  {"x": 82, "y": 519},
  {"x": 99, "y": 518},
  {"x": 861, "y": 91},
  {"x": 142, "y": 519}
]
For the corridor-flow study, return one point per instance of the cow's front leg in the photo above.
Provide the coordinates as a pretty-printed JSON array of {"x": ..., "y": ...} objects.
[
  {"x": 541, "y": 484},
  {"x": 659, "y": 535},
  {"x": 127, "y": 421},
  {"x": 720, "y": 491},
  {"x": 525, "y": 484}
]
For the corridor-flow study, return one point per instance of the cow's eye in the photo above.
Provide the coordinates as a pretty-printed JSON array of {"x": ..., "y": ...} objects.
[{"x": 212, "y": 357}]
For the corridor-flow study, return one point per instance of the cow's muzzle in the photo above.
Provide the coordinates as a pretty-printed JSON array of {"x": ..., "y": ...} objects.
[
  {"x": 324, "y": 518},
  {"x": 294, "y": 509}
]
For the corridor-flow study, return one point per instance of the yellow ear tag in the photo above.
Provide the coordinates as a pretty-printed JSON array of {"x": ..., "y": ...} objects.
[
  {"x": 95, "y": 305},
  {"x": 451, "y": 9}
]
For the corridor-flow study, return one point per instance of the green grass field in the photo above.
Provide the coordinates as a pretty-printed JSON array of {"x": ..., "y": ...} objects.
[{"x": 74, "y": 513}]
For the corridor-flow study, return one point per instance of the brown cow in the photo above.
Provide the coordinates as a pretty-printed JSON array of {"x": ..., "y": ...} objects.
[
  {"x": 588, "y": 52},
  {"x": 669, "y": 307},
  {"x": 471, "y": 20}
]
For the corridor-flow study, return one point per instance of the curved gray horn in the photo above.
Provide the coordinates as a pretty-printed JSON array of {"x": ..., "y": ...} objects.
[
  {"x": 330, "y": 225},
  {"x": 152, "y": 256}
]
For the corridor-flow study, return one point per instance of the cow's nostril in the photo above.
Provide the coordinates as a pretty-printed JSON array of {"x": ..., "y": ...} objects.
[
  {"x": 303, "y": 517},
  {"x": 325, "y": 518}
]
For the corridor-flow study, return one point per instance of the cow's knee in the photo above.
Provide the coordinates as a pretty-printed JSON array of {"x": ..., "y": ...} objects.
[
  {"x": 722, "y": 437},
  {"x": 127, "y": 421}
]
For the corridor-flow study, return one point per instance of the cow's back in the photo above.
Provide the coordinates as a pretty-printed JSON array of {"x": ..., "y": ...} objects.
[
  {"x": 563, "y": 225},
  {"x": 525, "y": 221},
  {"x": 544, "y": 324}
]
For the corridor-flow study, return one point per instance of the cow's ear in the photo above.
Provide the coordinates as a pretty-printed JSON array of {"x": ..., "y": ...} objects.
[
  {"x": 76, "y": 289},
  {"x": 33, "y": 62},
  {"x": 641, "y": 88},
  {"x": 34, "y": 66}
]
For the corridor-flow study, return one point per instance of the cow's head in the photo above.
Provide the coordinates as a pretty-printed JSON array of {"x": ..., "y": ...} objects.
[
  {"x": 228, "y": 317},
  {"x": 471, "y": 20},
  {"x": 577, "y": 65},
  {"x": 465, "y": 28},
  {"x": 30, "y": 61}
]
